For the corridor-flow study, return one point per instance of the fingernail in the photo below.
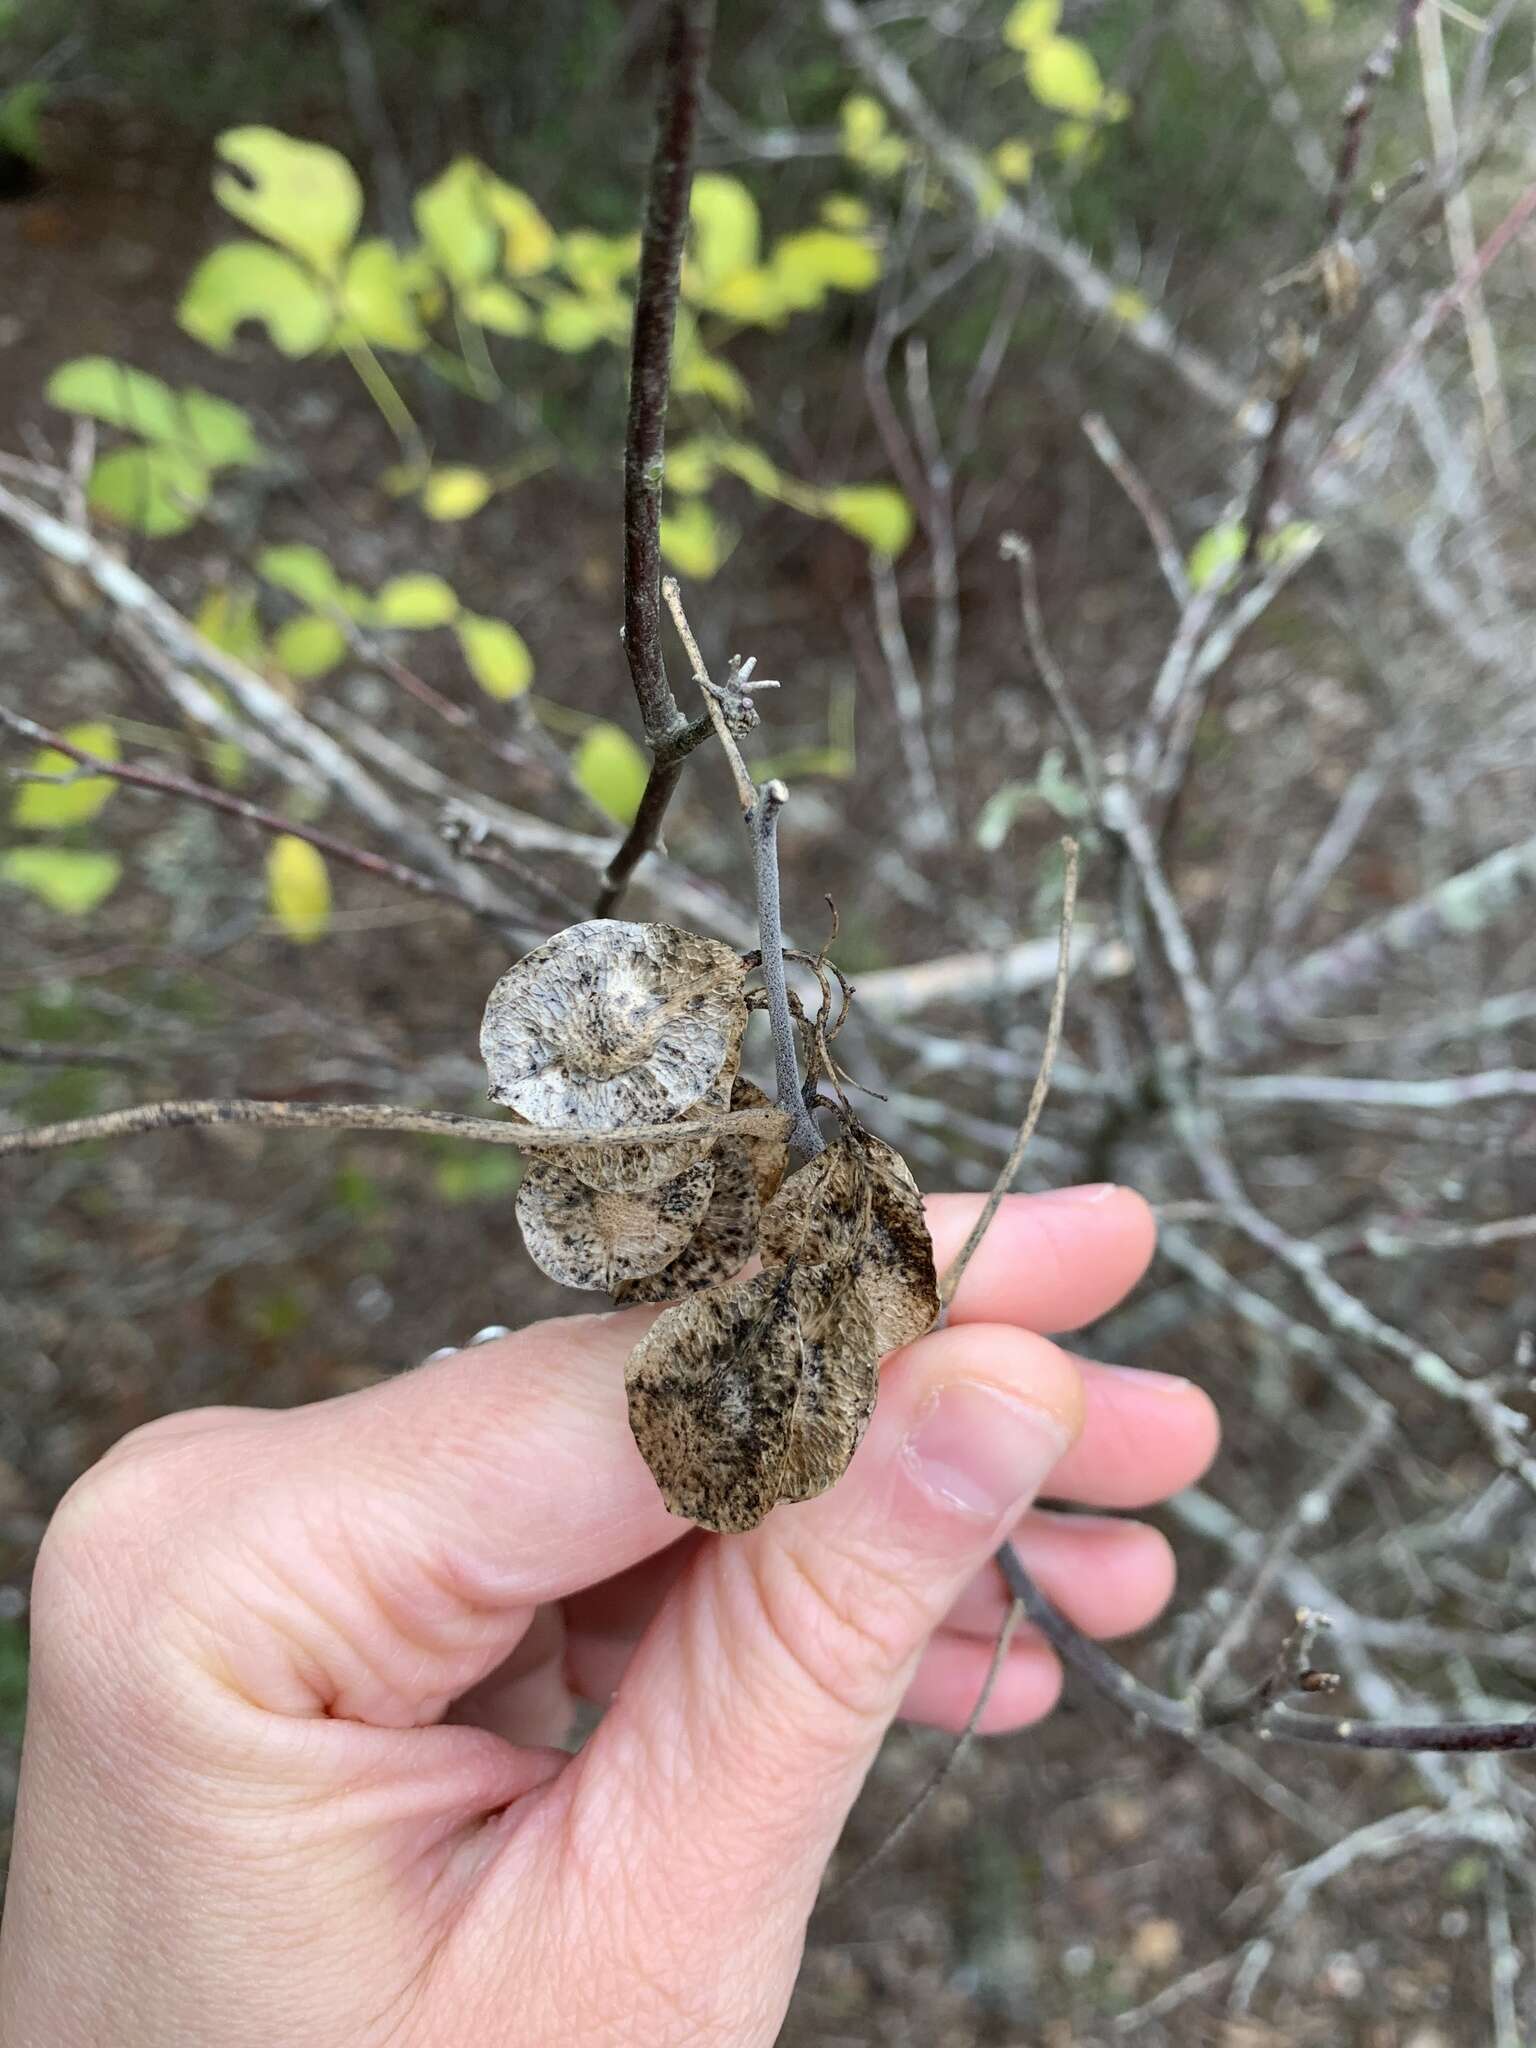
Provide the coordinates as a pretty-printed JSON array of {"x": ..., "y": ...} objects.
[
  {"x": 1083, "y": 1197},
  {"x": 981, "y": 1452},
  {"x": 1168, "y": 1383}
]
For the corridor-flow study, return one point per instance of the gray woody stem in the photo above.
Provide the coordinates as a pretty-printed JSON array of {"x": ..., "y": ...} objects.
[{"x": 760, "y": 808}]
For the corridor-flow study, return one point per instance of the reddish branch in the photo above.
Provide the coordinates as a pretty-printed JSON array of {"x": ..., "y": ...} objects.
[{"x": 164, "y": 784}]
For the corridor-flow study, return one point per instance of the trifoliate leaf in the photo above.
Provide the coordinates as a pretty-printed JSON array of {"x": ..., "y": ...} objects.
[
  {"x": 309, "y": 646},
  {"x": 50, "y": 806},
  {"x": 876, "y": 513},
  {"x": 497, "y": 654},
  {"x": 243, "y": 281},
  {"x": 415, "y": 602},
  {"x": 455, "y": 493},
  {"x": 155, "y": 490},
  {"x": 300, "y": 195},
  {"x": 298, "y": 888},
  {"x": 612, "y": 770},
  {"x": 66, "y": 879}
]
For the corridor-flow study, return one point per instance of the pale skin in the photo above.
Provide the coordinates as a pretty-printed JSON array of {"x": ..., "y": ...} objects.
[{"x": 290, "y": 1775}]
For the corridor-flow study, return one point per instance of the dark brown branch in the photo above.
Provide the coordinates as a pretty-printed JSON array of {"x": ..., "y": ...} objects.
[
  {"x": 1261, "y": 1713},
  {"x": 1376, "y": 71},
  {"x": 232, "y": 806},
  {"x": 669, "y": 735}
]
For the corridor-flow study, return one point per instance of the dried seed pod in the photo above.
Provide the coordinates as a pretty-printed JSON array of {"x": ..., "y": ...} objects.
[
  {"x": 611, "y": 1023},
  {"x": 723, "y": 1242},
  {"x": 769, "y": 1156},
  {"x": 839, "y": 1378},
  {"x": 587, "y": 1237},
  {"x": 894, "y": 1272},
  {"x": 624, "y": 1169},
  {"x": 820, "y": 1211}
]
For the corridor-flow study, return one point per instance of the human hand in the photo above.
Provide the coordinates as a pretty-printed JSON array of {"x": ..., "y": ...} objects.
[{"x": 287, "y": 1776}]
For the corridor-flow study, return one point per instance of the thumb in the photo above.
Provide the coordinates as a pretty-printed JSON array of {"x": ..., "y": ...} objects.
[{"x": 760, "y": 1695}]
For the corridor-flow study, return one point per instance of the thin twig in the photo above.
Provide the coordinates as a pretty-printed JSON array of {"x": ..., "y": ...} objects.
[
  {"x": 1013, "y": 547},
  {"x": 1139, "y": 491},
  {"x": 1009, "y": 1169},
  {"x": 361, "y": 1116}
]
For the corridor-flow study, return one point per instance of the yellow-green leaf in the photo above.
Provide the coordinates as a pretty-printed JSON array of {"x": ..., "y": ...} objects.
[
  {"x": 115, "y": 392},
  {"x": 724, "y": 219},
  {"x": 216, "y": 432},
  {"x": 1216, "y": 554},
  {"x": 66, "y": 879},
  {"x": 1014, "y": 161},
  {"x": 454, "y": 216},
  {"x": 867, "y": 140},
  {"x": 807, "y": 265},
  {"x": 528, "y": 240},
  {"x": 378, "y": 296},
  {"x": 595, "y": 263},
  {"x": 227, "y": 617},
  {"x": 845, "y": 212},
  {"x": 243, "y": 281},
  {"x": 415, "y": 602},
  {"x": 572, "y": 323},
  {"x": 1129, "y": 305},
  {"x": 693, "y": 540},
  {"x": 497, "y": 654},
  {"x": 497, "y": 307},
  {"x": 751, "y": 465},
  {"x": 754, "y": 297},
  {"x": 709, "y": 376},
  {"x": 303, "y": 572},
  {"x": 876, "y": 513},
  {"x": 50, "y": 806},
  {"x": 455, "y": 492},
  {"x": 299, "y": 194},
  {"x": 1031, "y": 22},
  {"x": 309, "y": 646},
  {"x": 298, "y": 888},
  {"x": 691, "y": 465},
  {"x": 1063, "y": 76},
  {"x": 154, "y": 490},
  {"x": 612, "y": 770}
]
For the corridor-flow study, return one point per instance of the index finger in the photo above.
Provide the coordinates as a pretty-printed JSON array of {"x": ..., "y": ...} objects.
[{"x": 1049, "y": 1262}]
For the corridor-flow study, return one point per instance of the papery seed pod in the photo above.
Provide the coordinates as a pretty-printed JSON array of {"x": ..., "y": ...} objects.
[
  {"x": 894, "y": 1272},
  {"x": 628, "y": 1168},
  {"x": 769, "y": 1156},
  {"x": 723, "y": 1242},
  {"x": 609, "y": 1024},
  {"x": 586, "y": 1237}
]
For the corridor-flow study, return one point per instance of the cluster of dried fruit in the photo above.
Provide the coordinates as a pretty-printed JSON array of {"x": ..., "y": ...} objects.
[{"x": 747, "y": 1392}]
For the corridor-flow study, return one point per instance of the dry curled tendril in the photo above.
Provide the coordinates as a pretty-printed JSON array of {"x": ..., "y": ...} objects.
[{"x": 746, "y": 1391}]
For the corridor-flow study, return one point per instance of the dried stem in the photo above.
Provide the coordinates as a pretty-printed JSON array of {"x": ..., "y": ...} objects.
[
  {"x": 670, "y": 736},
  {"x": 1266, "y": 1716},
  {"x": 956, "y": 1269},
  {"x": 367, "y": 1116}
]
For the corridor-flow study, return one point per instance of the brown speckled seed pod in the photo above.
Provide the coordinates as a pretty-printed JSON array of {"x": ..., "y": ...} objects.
[{"x": 585, "y": 1237}]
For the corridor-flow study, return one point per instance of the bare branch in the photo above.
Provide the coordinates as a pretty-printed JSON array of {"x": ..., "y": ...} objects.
[{"x": 1010, "y": 1166}]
